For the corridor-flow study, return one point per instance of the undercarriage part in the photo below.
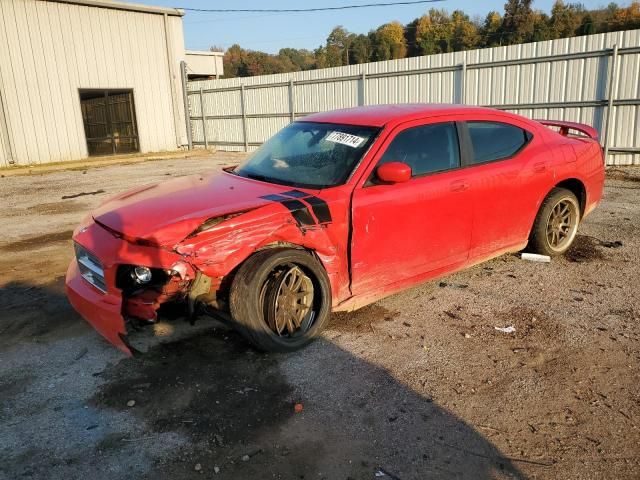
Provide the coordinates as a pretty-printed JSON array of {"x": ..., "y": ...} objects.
[{"x": 201, "y": 286}]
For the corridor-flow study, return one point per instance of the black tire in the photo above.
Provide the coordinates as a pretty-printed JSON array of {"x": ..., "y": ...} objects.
[
  {"x": 254, "y": 290},
  {"x": 544, "y": 231}
]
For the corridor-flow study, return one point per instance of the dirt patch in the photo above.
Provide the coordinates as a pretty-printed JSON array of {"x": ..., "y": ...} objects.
[
  {"x": 214, "y": 389},
  {"x": 584, "y": 249},
  {"x": 362, "y": 319},
  {"x": 50, "y": 208},
  {"x": 30, "y": 312},
  {"x": 37, "y": 242},
  {"x": 630, "y": 175},
  {"x": 529, "y": 324}
]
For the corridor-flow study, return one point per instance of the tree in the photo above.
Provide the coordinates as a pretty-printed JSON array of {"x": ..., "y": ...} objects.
[
  {"x": 587, "y": 26},
  {"x": 301, "y": 59},
  {"x": 565, "y": 19},
  {"x": 517, "y": 24},
  {"x": 464, "y": 35},
  {"x": 541, "y": 27},
  {"x": 359, "y": 49},
  {"x": 491, "y": 31},
  {"x": 434, "y": 32},
  {"x": 338, "y": 47},
  {"x": 437, "y": 31},
  {"x": 388, "y": 42},
  {"x": 234, "y": 62}
]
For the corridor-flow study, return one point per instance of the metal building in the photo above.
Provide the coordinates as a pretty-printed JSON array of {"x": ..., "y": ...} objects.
[{"x": 81, "y": 78}]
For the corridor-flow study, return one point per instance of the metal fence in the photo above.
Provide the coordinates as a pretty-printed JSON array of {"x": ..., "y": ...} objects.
[{"x": 592, "y": 79}]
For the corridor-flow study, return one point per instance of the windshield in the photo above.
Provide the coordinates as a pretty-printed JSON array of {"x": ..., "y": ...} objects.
[{"x": 312, "y": 155}]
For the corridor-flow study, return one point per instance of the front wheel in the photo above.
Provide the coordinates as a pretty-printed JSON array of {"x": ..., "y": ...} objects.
[
  {"x": 556, "y": 224},
  {"x": 280, "y": 299}
]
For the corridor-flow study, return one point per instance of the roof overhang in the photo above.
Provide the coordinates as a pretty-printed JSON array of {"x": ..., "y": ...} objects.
[{"x": 132, "y": 7}]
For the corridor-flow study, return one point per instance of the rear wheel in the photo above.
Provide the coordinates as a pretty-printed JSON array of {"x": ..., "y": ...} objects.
[
  {"x": 280, "y": 299},
  {"x": 556, "y": 224}
]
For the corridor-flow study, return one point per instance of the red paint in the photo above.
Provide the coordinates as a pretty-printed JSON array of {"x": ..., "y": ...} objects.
[
  {"x": 394, "y": 172},
  {"x": 393, "y": 234}
]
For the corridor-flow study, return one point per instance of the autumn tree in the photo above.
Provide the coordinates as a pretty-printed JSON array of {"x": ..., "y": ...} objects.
[
  {"x": 437, "y": 31},
  {"x": 565, "y": 19},
  {"x": 302, "y": 59},
  {"x": 464, "y": 33},
  {"x": 491, "y": 31},
  {"x": 517, "y": 22},
  {"x": 434, "y": 32},
  {"x": 337, "y": 47},
  {"x": 388, "y": 42}
]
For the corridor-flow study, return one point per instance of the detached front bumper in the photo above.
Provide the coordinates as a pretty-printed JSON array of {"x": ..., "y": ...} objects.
[{"x": 102, "y": 311}]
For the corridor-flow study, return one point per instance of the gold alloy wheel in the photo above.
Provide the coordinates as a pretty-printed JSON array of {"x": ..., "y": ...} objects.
[
  {"x": 293, "y": 303},
  {"x": 562, "y": 224}
]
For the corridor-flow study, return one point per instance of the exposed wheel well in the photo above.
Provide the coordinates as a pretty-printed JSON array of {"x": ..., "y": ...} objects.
[
  {"x": 577, "y": 187},
  {"x": 225, "y": 285}
]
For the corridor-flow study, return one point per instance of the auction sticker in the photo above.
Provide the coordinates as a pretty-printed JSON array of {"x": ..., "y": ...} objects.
[{"x": 345, "y": 139}]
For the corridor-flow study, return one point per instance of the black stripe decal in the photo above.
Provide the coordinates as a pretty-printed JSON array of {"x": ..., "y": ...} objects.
[
  {"x": 295, "y": 194},
  {"x": 299, "y": 211},
  {"x": 320, "y": 209},
  {"x": 275, "y": 198}
]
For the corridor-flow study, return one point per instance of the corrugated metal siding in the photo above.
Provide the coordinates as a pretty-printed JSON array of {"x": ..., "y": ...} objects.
[
  {"x": 50, "y": 50},
  {"x": 532, "y": 86}
]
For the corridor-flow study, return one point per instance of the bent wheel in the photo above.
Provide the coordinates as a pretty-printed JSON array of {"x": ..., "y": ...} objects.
[
  {"x": 556, "y": 224},
  {"x": 280, "y": 299}
]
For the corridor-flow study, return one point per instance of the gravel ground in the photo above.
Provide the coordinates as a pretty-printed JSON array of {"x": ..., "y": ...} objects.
[{"x": 419, "y": 385}]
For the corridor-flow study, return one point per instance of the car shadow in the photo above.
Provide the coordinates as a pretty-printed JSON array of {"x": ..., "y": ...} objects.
[{"x": 209, "y": 403}]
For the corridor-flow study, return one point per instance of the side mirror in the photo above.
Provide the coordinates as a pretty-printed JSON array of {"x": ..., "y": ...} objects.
[{"x": 394, "y": 172}]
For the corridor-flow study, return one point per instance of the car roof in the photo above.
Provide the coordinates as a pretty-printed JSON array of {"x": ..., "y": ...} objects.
[{"x": 381, "y": 115}]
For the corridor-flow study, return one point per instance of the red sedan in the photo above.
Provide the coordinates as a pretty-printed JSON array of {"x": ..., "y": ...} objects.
[{"x": 336, "y": 211}]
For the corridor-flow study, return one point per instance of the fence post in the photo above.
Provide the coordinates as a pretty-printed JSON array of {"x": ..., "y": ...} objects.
[
  {"x": 244, "y": 119},
  {"x": 292, "y": 101},
  {"x": 463, "y": 81},
  {"x": 204, "y": 121},
  {"x": 185, "y": 100},
  {"x": 363, "y": 87},
  {"x": 612, "y": 88}
]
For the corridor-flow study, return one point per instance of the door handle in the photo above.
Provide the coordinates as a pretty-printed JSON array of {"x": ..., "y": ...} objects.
[
  {"x": 539, "y": 167},
  {"x": 458, "y": 186}
]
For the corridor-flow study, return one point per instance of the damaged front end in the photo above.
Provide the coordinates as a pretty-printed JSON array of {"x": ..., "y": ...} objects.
[{"x": 119, "y": 284}]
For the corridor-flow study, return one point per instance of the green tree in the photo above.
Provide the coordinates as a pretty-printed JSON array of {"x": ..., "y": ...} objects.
[
  {"x": 491, "y": 31},
  {"x": 337, "y": 47},
  {"x": 360, "y": 49},
  {"x": 541, "y": 27},
  {"x": 517, "y": 24},
  {"x": 301, "y": 59},
  {"x": 388, "y": 42},
  {"x": 464, "y": 35},
  {"x": 434, "y": 32},
  {"x": 565, "y": 19}
]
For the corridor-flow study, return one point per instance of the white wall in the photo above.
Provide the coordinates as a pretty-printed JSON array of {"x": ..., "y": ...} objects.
[{"x": 49, "y": 50}]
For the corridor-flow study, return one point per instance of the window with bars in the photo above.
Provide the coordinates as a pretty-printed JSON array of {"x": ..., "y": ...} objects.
[{"x": 109, "y": 121}]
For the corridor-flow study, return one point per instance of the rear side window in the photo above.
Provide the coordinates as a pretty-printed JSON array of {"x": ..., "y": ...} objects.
[
  {"x": 494, "y": 141},
  {"x": 426, "y": 149}
]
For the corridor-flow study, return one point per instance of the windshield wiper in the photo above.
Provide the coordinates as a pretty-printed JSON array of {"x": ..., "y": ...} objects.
[
  {"x": 278, "y": 181},
  {"x": 262, "y": 178}
]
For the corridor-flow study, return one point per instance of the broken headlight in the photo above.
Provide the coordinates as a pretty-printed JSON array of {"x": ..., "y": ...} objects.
[{"x": 131, "y": 278}]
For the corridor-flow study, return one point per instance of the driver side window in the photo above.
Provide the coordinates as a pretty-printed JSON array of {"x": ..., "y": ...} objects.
[{"x": 426, "y": 149}]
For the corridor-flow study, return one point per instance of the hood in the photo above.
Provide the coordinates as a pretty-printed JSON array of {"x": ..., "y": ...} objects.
[{"x": 165, "y": 213}]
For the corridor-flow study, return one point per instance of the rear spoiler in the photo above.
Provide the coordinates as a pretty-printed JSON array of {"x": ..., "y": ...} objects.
[{"x": 566, "y": 126}]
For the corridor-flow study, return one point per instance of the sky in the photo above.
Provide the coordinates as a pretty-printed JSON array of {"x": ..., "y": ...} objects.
[{"x": 270, "y": 32}]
